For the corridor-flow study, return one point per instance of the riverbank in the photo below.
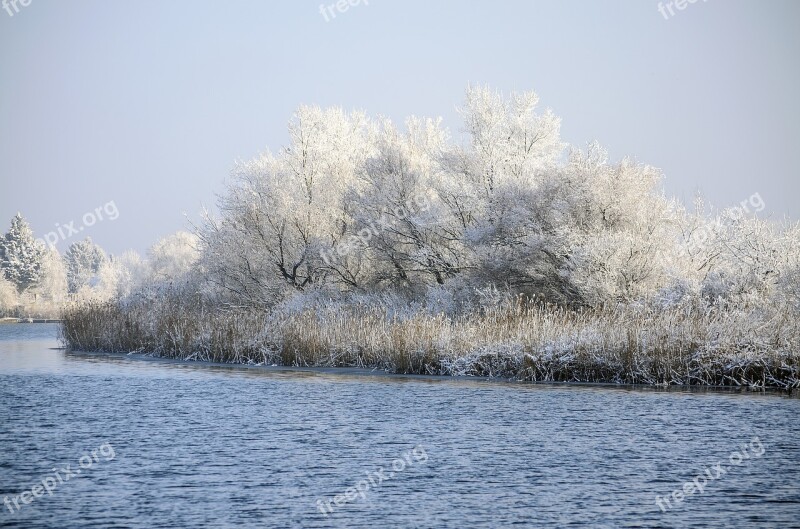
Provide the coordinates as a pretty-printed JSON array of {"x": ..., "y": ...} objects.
[
  {"x": 709, "y": 346},
  {"x": 356, "y": 373}
]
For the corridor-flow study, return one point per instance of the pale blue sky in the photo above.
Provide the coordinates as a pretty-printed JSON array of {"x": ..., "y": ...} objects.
[{"x": 148, "y": 103}]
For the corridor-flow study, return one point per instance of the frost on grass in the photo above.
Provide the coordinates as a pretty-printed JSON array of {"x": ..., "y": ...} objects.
[{"x": 509, "y": 254}]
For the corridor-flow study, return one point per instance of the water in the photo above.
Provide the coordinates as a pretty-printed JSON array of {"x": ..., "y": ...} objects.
[{"x": 206, "y": 446}]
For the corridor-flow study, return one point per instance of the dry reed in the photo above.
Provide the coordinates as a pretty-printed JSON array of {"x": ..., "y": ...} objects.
[{"x": 697, "y": 345}]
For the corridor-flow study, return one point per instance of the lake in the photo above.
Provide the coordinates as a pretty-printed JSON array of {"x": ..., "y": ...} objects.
[{"x": 121, "y": 441}]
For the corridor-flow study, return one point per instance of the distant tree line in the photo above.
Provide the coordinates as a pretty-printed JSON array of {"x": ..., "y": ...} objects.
[{"x": 29, "y": 269}]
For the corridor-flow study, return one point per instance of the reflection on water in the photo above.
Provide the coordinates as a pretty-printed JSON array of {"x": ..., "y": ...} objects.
[{"x": 207, "y": 446}]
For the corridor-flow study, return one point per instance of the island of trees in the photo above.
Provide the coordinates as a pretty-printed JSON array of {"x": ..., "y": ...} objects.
[{"x": 507, "y": 253}]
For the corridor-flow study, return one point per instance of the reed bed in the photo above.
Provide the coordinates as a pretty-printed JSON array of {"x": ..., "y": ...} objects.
[{"x": 752, "y": 346}]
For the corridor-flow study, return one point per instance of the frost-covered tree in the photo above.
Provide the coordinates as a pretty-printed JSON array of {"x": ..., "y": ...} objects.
[
  {"x": 746, "y": 258},
  {"x": 510, "y": 141},
  {"x": 9, "y": 297},
  {"x": 121, "y": 275},
  {"x": 354, "y": 206},
  {"x": 622, "y": 224},
  {"x": 397, "y": 226},
  {"x": 20, "y": 255},
  {"x": 83, "y": 260},
  {"x": 786, "y": 284},
  {"x": 173, "y": 256},
  {"x": 280, "y": 211},
  {"x": 360, "y": 205},
  {"x": 53, "y": 283}
]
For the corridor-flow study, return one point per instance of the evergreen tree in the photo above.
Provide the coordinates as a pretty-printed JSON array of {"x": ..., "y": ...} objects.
[
  {"x": 20, "y": 255},
  {"x": 83, "y": 260}
]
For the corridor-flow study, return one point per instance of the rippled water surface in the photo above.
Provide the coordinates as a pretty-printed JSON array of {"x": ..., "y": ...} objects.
[{"x": 180, "y": 445}]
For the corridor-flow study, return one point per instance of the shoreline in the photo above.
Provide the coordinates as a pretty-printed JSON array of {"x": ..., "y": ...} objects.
[
  {"x": 536, "y": 343},
  {"x": 377, "y": 373}
]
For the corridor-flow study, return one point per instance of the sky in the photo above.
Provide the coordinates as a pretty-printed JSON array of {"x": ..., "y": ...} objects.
[{"x": 122, "y": 120}]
